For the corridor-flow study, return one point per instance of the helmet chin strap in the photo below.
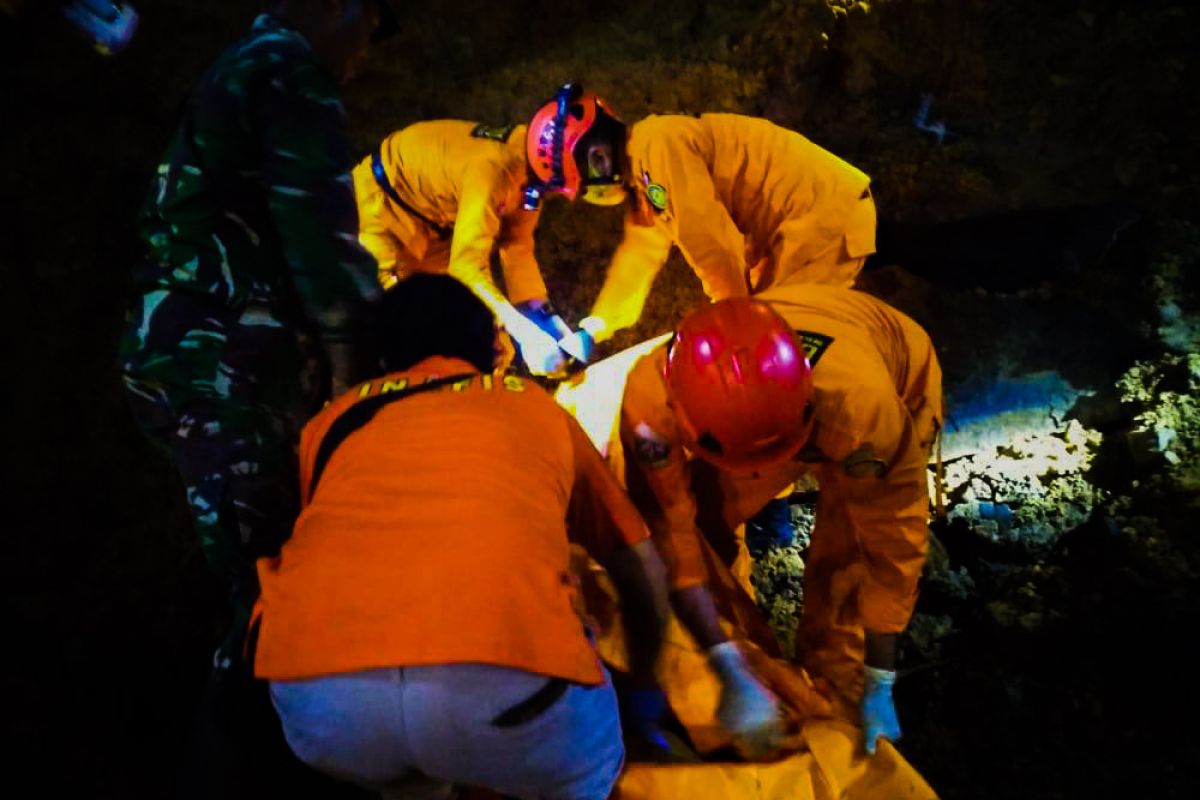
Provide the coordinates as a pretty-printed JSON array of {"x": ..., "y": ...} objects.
[
  {"x": 557, "y": 178},
  {"x": 536, "y": 189},
  {"x": 532, "y": 197}
]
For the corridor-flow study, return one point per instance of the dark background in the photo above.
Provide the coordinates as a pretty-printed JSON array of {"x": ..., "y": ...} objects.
[{"x": 1051, "y": 105}]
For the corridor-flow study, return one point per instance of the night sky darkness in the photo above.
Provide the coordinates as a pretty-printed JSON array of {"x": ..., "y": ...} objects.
[{"x": 1088, "y": 108}]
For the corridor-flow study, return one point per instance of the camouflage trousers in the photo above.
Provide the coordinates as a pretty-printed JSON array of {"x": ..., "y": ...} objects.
[{"x": 218, "y": 391}]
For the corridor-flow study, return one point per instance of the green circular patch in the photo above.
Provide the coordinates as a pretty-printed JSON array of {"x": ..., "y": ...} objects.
[{"x": 657, "y": 196}]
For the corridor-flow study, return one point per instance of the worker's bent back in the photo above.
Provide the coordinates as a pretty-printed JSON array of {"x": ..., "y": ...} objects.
[{"x": 437, "y": 534}]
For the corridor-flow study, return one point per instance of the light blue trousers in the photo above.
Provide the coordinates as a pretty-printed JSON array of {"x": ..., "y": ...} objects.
[{"x": 418, "y": 731}]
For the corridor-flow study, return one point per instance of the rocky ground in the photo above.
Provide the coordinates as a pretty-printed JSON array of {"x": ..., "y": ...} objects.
[{"x": 1040, "y": 221}]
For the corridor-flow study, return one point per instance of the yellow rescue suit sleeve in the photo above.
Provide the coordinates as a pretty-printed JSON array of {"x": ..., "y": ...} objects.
[
  {"x": 873, "y": 512},
  {"x": 475, "y": 231},
  {"x": 657, "y": 473},
  {"x": 489, "y": 214},
  {"x": 868, "y": 548},
  {"x": 522, "y": 277},
  {"x": 669, "y": 159},
  {"x": 374, "y": 231},
  {"x": 635, "y": 264},
  {"x": 707, "y": 235}
]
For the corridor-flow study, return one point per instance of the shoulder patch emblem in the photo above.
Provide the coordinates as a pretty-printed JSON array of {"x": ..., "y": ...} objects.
[
  {"x": 656, "y": 193},
  {"x": 815, "y": 345},
  {"x": 495, "y": 133},
  {"x": 650, "y": 448},
  {"x": 863, "y": 463}
]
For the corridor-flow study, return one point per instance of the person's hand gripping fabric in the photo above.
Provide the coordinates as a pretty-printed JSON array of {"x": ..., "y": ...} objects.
[
  {"x": 537, "y": 346},
  {"x": 878, "y": 709},
  {"x": 747, "y": 709},
  {"x": 577, "y": 344}
]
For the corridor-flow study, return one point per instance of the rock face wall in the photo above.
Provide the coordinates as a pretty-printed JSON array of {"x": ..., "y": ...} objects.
[{"x": 1036, "y": 169}]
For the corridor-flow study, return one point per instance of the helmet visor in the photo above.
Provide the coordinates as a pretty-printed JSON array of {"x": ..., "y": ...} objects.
[{"x": 600, "y": 157}]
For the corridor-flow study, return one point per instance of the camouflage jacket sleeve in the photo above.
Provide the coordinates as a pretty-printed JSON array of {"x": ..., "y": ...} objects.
[{"x": 306, "y": 173}]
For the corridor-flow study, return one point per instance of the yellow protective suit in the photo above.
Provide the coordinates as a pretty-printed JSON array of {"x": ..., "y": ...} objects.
[
  {"x": 461, "y": 186},
  {"x": 877, "y": 383},
  {"x": 750, "y": 205},
  {"x": 877, "y": 407}
]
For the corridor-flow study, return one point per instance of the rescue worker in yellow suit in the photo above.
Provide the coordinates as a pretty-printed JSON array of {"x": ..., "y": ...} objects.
[
  {"x": 442, "y": 195},
  {"x": 751, "y": 205},
  {"x": 752, "y": 394}
]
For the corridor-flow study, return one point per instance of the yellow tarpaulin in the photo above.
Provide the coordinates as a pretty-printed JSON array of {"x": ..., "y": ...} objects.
[
  {"x": 594, "y": 396},
  {"x": 824, "y": 758},
  {"x": 829, "y": 765}
]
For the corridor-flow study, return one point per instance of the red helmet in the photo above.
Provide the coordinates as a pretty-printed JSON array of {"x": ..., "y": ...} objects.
[
  {"x": 558, "y": 142},
  {"x": 739, "y": 383}
]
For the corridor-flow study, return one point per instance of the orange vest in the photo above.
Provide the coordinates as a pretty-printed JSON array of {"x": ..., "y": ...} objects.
[
  {"x": 877, "y": 406},
  {"x": 438, "y": 533}
]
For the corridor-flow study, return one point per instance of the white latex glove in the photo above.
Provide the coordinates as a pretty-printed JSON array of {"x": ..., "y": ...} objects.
[
  {"x": 597, "y": 327},
  {"x": 581, "y": 344},
  {"x": 747, "y": 709},
  {"x": 578, "y": 345},
  {"x": 538, "y": 349}
]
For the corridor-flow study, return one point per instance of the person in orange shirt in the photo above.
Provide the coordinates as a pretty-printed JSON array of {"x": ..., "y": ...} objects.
[
  {"x": 442, "y": 195},
  {"x": 753, "y": 393},
  {"x": 751, "y": 205},
  {"x": 419, "y": 629}
]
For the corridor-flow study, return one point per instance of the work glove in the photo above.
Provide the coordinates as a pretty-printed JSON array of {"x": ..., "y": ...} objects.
[
  {"x": 577, "y": 344},
  {"x": 581, "y": 344},
  {"x": 538, "y": 349},
  {"x": 644, "y": 709},
  {"x": 878, "y": 709},
  {"x": 542, "y": 314},
  {"x": 747, "y": 709}
]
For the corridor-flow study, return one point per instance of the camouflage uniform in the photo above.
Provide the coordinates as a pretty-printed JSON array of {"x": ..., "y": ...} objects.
[{"x": 252, "y": 235}]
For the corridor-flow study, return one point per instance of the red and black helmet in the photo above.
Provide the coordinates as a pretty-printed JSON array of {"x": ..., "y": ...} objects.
[
  {"x": 558, "y": 141},
  {"x": 739, "y": 384}
]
